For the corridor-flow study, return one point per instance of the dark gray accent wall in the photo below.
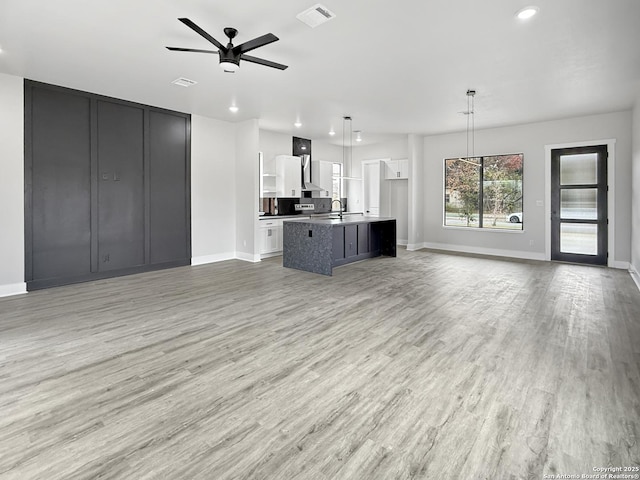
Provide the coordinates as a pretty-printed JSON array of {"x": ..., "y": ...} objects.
[{"x": 107, "y": 187}]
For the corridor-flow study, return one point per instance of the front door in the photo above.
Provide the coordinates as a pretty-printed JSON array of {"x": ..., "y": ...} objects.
[{"x": 579, "y": 205}]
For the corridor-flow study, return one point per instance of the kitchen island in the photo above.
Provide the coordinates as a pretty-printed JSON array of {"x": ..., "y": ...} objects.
[{"x": 319, "y": 244}]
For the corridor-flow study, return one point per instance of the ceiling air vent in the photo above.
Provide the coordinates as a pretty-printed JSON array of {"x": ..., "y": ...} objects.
[
  {"x": 316, "y": 15},
  {"x": 184, "y": 82}
]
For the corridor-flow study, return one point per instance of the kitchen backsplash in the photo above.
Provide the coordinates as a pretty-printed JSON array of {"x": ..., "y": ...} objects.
[{"x": 286, "y": 206}]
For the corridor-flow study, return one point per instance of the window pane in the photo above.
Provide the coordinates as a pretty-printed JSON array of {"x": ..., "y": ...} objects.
[
  {"x": 502, "y": 189},
  {"x": 578, "y": 169},
  {"x": 462, "y": 192},
  {"x": 580, "y": 204},
  {"x": 581, "y": 238}
]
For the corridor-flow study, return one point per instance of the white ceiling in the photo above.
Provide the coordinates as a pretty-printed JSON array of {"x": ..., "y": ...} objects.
[{"x": 395, "y": 67}]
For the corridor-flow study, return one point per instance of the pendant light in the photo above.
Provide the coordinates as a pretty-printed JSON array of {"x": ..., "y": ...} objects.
[
  {"x": 471, "y": 140},
  {"x": 347, "y": 149},
  {"x": 471, "y": 134}
]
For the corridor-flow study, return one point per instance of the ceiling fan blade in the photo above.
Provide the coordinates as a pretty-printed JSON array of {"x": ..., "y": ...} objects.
[
  {"x": 268, "y": 63},
  {"x": 180, "y": 49},
  {"x": 201, "y": 32},
  {"x": 255, "y": 43}
]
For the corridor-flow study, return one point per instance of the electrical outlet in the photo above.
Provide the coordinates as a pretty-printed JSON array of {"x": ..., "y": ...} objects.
[{"x": 531, "y": 243}]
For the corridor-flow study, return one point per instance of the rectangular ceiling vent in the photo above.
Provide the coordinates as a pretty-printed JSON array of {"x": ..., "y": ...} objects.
[
  {"x": 316, "y": 15},
  {"x": 184, "y": 82}
]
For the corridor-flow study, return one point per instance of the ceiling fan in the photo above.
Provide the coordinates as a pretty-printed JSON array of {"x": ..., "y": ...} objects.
[{"x": 230, "y": 56}]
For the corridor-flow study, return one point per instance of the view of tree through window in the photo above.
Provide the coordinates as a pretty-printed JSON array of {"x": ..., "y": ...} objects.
[{"x": 484, "y": 192}]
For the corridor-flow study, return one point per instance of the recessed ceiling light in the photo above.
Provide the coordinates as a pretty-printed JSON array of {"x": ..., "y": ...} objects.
[
  {"x": 233, "y": 109},
  {"x": 297, "y": 124},
  {"x": 331, "y": 132},
  {"x": 527, "y": 12}
]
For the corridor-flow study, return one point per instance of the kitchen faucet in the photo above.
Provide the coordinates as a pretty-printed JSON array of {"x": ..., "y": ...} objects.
[{"x": 340, "y": 202}]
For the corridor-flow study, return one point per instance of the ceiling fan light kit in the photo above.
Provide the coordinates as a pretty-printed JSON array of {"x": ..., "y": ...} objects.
[{"x": 231, "y": 55}]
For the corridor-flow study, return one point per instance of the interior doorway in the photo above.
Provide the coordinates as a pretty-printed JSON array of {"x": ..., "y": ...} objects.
[{"x": 579, "y": 222}]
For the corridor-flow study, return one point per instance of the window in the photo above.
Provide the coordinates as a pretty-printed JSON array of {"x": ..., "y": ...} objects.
[{"x": 484, "y": 192}]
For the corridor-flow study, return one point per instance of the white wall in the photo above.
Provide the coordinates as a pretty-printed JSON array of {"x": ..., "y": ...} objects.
[
  {"x": 531, "y": 140},
  {"x": 395, "y": 193},
  {"x": 635, "y": 200},
  {"x": 11, "y": 185},
  {"x": 274, "y": 143},
  {"x": 326, "y": 151},
  {"x": 416, "y": 192},
  {"x": 213, "y": 190},
  {"x": 246, "y": 179}
]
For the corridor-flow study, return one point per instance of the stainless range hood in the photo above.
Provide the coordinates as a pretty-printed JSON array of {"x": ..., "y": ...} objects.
[{"x": 307, "y": 184}]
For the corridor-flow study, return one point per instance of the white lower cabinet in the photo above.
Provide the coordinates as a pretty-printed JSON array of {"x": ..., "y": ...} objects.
[{"x": 271, "y": 235}]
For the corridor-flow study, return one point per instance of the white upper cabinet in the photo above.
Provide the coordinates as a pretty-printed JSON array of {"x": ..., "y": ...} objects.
[
  {"x": 322, "y": 176},
  {"x": 396, "y": 169},
  {"x": 288, "y": 176}
]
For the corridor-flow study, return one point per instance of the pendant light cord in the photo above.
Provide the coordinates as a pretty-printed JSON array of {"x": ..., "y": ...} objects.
[
  {"x": 471, "y": 126},
  {"x": 468, "y": 123}
]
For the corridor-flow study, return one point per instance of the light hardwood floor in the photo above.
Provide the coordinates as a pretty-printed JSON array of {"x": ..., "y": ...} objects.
[{"x": 428, "y": 365}]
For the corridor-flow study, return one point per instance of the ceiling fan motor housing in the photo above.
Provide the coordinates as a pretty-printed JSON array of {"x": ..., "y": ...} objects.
[{"x": 229, "y": 57}]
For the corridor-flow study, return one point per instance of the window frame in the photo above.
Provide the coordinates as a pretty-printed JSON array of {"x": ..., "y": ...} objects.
[{"x": 480, "y": 227}]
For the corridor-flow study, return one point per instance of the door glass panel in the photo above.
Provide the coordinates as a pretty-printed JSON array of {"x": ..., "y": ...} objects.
[
  {"x": 579, "y": 204},
  {"x": 579, "y": 169},
  {"x": 581, "y": 238}
]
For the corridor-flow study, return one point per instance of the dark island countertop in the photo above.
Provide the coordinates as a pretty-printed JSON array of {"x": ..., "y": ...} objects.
[{"x": 347, "y": 219}]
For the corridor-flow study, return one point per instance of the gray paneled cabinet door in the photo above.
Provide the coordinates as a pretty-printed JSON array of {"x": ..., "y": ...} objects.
[
  {"x": 107, "y": 187},
  {"x": 59, "y": 179},
  {"x": 168, "y": 195},
  {"x": 120, "y": 186}
]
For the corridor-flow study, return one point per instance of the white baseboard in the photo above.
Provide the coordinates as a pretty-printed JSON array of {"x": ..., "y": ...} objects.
[
  {"x": 218, "y": 257},
  {"x": 221, "y": 257},
  {"x": 247, "y": 257},
  {"x": 618, "y": 264},
  {"x": 402, "y": 241},
  {"x": 269, "y": 255},
  {"x": 635, "y": 275},
  {"x": 485, "y": 251},
  {"x": 412, "y": 247},
  {"x": 13, "y": 289}
]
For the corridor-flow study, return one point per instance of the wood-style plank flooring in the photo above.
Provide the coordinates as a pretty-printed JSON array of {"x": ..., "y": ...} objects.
[{"x": 424, "y": 366}]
